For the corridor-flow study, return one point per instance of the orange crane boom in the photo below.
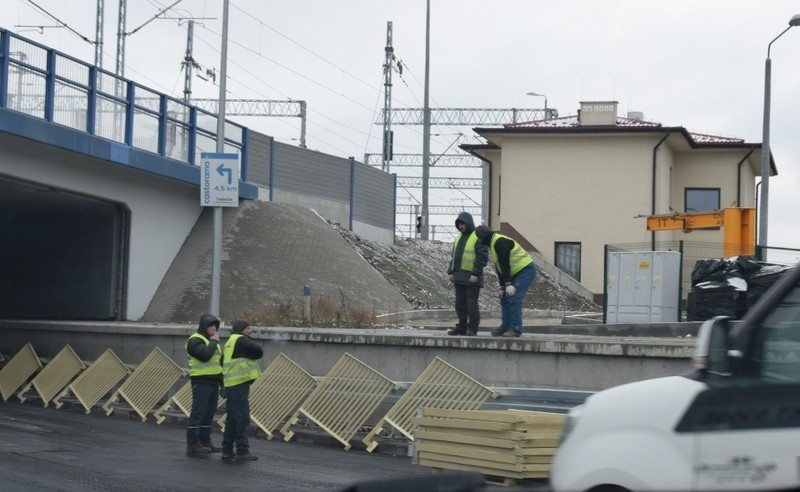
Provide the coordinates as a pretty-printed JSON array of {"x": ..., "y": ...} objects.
[{"x": 738, "y": 224}]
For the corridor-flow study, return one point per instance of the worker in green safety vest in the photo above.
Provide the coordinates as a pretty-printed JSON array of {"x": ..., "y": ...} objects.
[
  {"x": 240, "y": 367},
  {"x": 515, "y": 271},
  {"x": 205, "y": 372},
  {"x": 465, "y": 271}
]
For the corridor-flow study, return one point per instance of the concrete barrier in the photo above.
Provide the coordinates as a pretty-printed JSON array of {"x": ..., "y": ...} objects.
[{"x": 545, "y": 360}]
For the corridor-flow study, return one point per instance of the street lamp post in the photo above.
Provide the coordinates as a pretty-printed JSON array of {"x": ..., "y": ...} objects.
[
  {"x": 546, "y": 113},
  {"x": 765, "y": 151}
]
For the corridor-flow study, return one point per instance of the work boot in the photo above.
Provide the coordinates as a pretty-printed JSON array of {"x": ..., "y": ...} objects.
[
  {"x": 211, "y": 448},
  {"x": 197, "y": 450},
  {"x": 498, "y": 333},
  {"x": 459, "y": 330},
  {"x": 246, "y": 457},
  {"x": 512, "y": 333},
  {"x": 471, "y": 333}
]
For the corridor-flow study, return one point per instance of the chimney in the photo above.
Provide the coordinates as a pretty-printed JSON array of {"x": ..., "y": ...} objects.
[
  {"x": 636, "y": 115},
  {"x": 598, "y": 113}
]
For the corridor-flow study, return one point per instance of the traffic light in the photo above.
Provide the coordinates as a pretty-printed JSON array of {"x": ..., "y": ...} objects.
[{"x": 419, "y": 223}]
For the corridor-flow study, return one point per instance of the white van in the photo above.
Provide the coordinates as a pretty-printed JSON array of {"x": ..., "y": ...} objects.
[{"x": 731, "y": 424}]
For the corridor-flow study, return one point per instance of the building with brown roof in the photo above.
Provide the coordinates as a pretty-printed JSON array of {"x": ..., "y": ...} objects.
[{"x": 568, "y": 186}]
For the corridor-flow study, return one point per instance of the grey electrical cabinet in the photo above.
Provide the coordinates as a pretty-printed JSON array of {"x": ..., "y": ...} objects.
[{"x": 643, "y": 287}]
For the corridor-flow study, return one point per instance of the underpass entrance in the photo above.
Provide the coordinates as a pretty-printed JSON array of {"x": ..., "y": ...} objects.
[{"x": 63, "y": 255}]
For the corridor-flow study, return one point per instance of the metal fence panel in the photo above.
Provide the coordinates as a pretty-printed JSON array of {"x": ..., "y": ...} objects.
[
  {"x": 22, "y": 366},
  {"x": 96, "y": 381},
  {"x": 343, "y": 401},
  {"x": 439, "y": 386},
  {"x": 258, "y": 158},
  {"x": 55, "y": 375},
  {"x": 156, "y": 375},
  {"x": 311, "y": 173},
  {"x": 373, "y": 199},
  {"x": 278, "y": 393}
]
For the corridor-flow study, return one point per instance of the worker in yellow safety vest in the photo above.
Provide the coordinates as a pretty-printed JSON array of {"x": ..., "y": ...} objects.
[
  {"x": 466, "y": 273},
  {"x": 240, "y": 367},
  {"x": 515, "y": 271},
  {"x": 205, "y": 373}
]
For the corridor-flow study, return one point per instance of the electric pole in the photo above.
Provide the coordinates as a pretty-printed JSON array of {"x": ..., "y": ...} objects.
[
  {"x": 188, "y": 62},
  {"x": 119, "y": 69},
  {"x": 98, "y": 34},
  {"x": 387, "y": 99},
  {"x": 426, "y": 125}
]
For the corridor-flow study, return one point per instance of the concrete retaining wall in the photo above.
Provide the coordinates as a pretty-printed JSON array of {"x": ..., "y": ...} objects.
[{"x": 535, "y": 360}]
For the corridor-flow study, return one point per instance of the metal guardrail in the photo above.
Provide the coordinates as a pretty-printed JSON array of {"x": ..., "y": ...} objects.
[
  {"x": 44, "y": 83},
  {"x": 538, "y": 399},
  {"x": 533, "y": 399}
]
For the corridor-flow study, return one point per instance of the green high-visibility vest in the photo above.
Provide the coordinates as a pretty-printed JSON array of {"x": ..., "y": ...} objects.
[
  {"x": 199, "y": 368},
  {"x": 239, "y": 370},
  {"x": 468, "y": 256},
  {"x": 518, "y": 259}
]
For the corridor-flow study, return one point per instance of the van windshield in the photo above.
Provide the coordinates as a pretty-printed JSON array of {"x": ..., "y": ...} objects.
[{"x": 777, "y": 344}]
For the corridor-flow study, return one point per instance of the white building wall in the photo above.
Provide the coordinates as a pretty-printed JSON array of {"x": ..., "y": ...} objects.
[
  {"x": 708, "y": 169},
  {"x": 587, "y": 190}
]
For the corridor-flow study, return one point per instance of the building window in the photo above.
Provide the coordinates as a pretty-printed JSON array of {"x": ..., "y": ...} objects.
[
  {"x": 701, "y": 199},
  {"x": 568, "y": 259}
]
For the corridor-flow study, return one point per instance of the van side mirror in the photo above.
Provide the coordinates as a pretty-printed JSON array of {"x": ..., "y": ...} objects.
[{"x": 713, "y": 354}]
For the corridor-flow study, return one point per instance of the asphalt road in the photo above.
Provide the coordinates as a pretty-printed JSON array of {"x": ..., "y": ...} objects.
[{"x": 44, "y": 449}]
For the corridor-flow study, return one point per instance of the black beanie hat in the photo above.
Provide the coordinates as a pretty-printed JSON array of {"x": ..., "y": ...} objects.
[
  {"x": 239, "y": 325},
  {"x": 482, "y": 231}
]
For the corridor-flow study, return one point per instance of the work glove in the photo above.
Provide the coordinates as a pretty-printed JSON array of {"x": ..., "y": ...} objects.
[
  {"x": 451, "y": 278},
  {"x": 473, "y": 279},
  {"x": 511, "y": 291}
]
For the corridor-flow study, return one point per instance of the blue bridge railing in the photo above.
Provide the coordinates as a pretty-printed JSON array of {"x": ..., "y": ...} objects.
[{"x": 47, "y": 84}]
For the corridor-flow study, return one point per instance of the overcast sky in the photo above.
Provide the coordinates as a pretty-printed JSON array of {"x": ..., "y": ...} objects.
[{"x": 692, "y": 63}]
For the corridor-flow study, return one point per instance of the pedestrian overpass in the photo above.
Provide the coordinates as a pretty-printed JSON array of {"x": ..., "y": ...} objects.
[
  {"x": 100, "y": 192},
  {"x": 99, "y": 185}
]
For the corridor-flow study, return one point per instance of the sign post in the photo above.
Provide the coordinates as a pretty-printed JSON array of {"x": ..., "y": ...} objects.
[{"x": 216, "y": 250}]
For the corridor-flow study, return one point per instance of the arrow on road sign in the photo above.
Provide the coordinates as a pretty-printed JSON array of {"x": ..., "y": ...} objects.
[{"x": 222, "y": 169}]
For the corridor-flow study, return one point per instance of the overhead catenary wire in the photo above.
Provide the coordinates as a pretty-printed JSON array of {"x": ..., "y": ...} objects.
[
  {"x": 311, "y": 110},
  {"x": 325, "y": 123},
  {"x": 244, "y": 69},
  {"x": 59, "y": 21},
  {"x": 256, "y": 50},
  {"x": 315, "y": 54}
]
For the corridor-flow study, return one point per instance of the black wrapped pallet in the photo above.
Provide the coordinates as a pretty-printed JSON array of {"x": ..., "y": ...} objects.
[{"x": 713, "y": 298}]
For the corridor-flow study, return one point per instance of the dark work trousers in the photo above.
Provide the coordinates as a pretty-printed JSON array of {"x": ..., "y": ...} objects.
[
  {"x": 237, "y": 420},
  {"x": 204, "y": 406},
  {"x": 467, "y": 309}
]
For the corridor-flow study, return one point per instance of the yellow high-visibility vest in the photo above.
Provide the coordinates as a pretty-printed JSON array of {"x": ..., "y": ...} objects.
[
  {"x": 468, "y": 256},
  {"x": 518, "y": 258},
  {"x": 239, "y": 370},
  {"x": 199, "y": 368}
]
